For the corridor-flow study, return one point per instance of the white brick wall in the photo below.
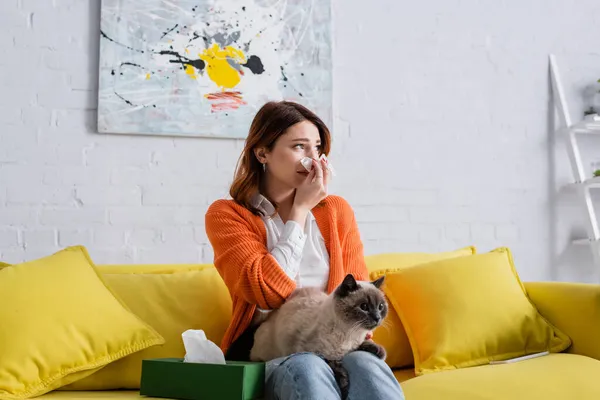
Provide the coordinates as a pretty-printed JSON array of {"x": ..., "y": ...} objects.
[{"x": 445, "y": 101}]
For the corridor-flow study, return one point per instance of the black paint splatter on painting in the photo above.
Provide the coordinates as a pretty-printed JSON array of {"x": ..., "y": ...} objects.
[
  {"x": 124, "y": 99},
  {"x": 128, "y": 102},
  {"x": 196, "y": 36},
  {"x": 130, "y": 63},
  {"x": 169, "y": 31},
  {"x": 255, "y": 65},
  {"x": 104, "y": 35},
  {"x": 285, "y": 79},
  {"x": 198, "y": 63}
]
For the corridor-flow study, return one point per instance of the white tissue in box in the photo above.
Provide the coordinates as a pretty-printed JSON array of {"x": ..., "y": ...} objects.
[{"x": 198, "y": 349}]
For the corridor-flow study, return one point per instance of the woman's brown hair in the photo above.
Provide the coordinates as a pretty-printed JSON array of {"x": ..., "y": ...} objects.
[{"x": 269, "y": 123}]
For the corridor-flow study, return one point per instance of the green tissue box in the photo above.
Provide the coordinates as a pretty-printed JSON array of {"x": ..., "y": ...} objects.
[{"x": 172, "y": 378}]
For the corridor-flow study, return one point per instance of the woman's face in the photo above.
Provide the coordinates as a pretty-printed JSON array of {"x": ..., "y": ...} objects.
[{"x": 283, "y": 161}]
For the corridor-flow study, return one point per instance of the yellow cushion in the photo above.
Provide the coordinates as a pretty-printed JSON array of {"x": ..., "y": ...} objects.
[
  {"x": 97, "y": 394},
  {"x": 469, "y": 311},
  {"x": 385, "y": 263},
  {"x": 391, "y": 335},
  {"x": 172, "y": 299},
  {"x": 60, "y": 323},
  {"x": 552, "y": 377}
]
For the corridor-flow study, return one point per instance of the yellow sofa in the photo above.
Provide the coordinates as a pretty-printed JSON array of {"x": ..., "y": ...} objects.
[{"x": 173, "y": 298}]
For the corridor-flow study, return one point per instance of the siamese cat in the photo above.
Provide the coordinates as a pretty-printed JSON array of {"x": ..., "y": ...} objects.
[{"x": 330, "y": 326}]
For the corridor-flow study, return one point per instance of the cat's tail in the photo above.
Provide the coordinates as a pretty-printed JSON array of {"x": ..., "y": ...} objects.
[{"x": 341, "y": 376}]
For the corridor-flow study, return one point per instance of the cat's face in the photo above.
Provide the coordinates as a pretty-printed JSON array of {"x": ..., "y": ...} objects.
[{"x": 361, "y": 303}]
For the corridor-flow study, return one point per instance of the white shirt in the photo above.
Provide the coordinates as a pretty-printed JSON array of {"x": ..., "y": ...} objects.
[{"x": 301, "y": 253}]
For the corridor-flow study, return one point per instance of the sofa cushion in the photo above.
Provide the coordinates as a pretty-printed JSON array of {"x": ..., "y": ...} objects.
[
  {"x": 60, "y": 323},
  {"x": 98, "y": 394},
  {"x": 468, "y": 311},
  {"x": 392, "y": 335},
  {"x": 172, "y": 299},
  {"x": 552, "y": 377}
]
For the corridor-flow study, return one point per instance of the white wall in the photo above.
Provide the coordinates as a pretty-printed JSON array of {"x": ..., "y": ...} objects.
[{"x": 446, "y": 101}]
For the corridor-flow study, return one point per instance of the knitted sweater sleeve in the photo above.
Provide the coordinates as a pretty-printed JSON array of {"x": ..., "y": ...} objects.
[{"x": 244, "y": 262}]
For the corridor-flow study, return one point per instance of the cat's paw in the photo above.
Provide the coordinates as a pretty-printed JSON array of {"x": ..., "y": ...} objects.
[
  {"x": 373, "y": 348},
  {"x": 341, "y": 376}
]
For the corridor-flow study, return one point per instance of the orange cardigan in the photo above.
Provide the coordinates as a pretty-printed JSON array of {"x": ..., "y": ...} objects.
[{"x": 251, "y": 273}]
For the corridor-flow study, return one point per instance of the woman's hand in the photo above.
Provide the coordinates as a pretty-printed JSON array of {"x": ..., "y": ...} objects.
[
  {"x": 314, "y": 188},
  {"x": 311, "y": 192}
]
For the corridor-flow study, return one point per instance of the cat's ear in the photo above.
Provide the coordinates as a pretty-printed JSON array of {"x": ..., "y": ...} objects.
[
  {"x": 347, "y": 286},
  {"x": 350, "y": 283},
  {"x": 377, "y": 283}
]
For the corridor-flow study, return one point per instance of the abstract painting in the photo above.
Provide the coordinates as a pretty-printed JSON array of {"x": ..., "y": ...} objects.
[{"x": 204, "y": 67}]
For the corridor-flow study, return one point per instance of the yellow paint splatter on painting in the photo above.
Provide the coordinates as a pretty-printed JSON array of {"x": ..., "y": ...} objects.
[
  {"x": 191, "y": 71},
  {"x": 218, "y": 68},
  {"x": 148, "y": 75}
]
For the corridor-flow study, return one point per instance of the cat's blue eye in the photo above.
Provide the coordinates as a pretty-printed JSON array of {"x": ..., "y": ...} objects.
[
  {"x": 364, "y": 306},
  {"x": 380, "y": 306}
]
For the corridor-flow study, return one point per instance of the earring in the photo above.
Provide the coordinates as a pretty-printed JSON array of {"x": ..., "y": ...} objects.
[{"x": 264, "y": 167}]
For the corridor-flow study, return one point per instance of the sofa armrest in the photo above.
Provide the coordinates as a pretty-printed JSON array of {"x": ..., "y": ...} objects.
[{"x": 574, "y": 308}]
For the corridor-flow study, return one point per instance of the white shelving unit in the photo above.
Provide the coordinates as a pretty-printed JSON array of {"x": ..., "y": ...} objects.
[{"x": 584, "y": 184}]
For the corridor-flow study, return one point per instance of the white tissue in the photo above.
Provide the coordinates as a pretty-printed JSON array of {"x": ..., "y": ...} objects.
[
  {"x": 198, "y": 349},
  {"x": 307, "y": 164}
]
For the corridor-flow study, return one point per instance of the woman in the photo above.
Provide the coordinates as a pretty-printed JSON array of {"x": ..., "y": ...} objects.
[{"x": 282, "y": 231}]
